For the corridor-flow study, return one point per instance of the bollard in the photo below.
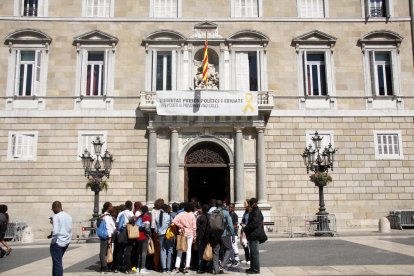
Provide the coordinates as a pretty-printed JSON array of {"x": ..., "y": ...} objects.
[{"x": 384, "y": 225}]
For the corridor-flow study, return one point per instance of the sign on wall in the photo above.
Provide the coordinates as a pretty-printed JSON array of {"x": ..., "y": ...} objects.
[{"x": 207, "y": 103}]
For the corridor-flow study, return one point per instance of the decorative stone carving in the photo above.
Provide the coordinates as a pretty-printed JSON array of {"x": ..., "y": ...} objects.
[{"x": 212, "y": 79}]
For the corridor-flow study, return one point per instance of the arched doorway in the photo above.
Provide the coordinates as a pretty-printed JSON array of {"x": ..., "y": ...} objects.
[{"x": 207, "y": 172}]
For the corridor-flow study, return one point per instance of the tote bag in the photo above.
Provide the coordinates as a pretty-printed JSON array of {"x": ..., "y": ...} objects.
[
  {"x": 151, "y": 249},
  {"x": 208, "y": 253},
  {"x": 181, "y": 243},
  {"x": 109, "y": 256},
  {"x": 133, "y": 231}
]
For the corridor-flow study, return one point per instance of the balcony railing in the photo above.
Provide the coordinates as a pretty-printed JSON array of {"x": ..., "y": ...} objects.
[{"x": 147, "y": 101}]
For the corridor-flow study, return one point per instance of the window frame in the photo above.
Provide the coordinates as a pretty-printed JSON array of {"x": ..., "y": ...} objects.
[
  {"x": 237, "y": 4},
  {"x": 383, "y": 156},
  {"x": 381, "y": 42},
  {"x": 12, "y": 156},
  {"x": 95, "y": 42},
  {"x": 95, "y": 9},
  {"x": 42, "y": 8},
  {"x": 176, "y": 14},
  {"x": 27, "y": 40},
  {"x": 91, "y": 133},
  {"x": 310, "y": 4}
]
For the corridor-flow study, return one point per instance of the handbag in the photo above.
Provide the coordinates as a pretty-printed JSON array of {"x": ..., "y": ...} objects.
[
  {"x": 133, "y": 231},
  {"x": 123, "y": 237},
  {"x": 109, "y": 256},
  {"x": 151, "y": 249},
  {"x": 181, "y": 243},
  {"x": 208, "y": 253}
]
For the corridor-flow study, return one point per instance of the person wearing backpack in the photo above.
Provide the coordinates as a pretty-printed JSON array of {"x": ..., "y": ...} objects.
[
  {"x": 255, "y": 233},
  {"x": 221, "y": 233},
  {"x": 143, "y": 222},
  {"x": 106, "y": 228},
  {"x": 162, "y": 222}
]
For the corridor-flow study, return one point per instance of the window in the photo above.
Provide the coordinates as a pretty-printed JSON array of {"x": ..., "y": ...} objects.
[
  {"x": 30, "y": 7},
  {"x": 165, "y": 8},
  {"x": 98, "y": 8},
  {"x": 388, "y": 145},
  {"x": 315, "y": 68},
  {"x": 27, "y": 67},
  {"x": 315, "y": 76},
  {"x": 248, "y": 67},
  {"x": 95, "y": 74},
  {"x": 381, "y": 73},
  {"x": 246, "y": 8},
  {"x": 164, "y": 71},
  {"x": 85, "y": 139},
  {"x": 381, "y": 63},
  {"x": 22, "y": 146},
  {"x": 95, "y": 68},
  {"x": 247, "y": 74},
  {"x": 312, "y": 8},
  {"x": 163, "y": 54},
  {"x": 378, "y": 8}
]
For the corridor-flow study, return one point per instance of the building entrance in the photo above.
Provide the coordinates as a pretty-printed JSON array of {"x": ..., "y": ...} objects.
[{"x": 207, "y": 173}]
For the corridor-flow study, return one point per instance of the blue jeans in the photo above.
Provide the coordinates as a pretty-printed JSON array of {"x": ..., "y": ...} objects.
[
  {"x": 57, "y": 253},
  {"x": 166, "y": 250}
]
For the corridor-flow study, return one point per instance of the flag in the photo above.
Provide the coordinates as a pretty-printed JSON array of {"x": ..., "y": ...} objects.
[{"x": 205, "y": 61}]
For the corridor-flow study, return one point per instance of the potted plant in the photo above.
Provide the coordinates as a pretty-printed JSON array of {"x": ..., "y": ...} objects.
[
  {"x": 320, "y": 178},
  {"x": 103, "y": 185}
]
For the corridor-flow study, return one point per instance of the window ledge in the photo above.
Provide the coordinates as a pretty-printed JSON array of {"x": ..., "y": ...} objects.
[
  {"x": 87, "y": 102},
  {"x": 25, "y": 103},
  {"x": 317, "y": 102},
  {"x": 385, "y": 102}
]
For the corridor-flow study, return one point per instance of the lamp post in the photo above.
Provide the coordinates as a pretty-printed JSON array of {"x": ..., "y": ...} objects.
[
  {"x": 95, "y": 173},
  {"x": 320, "y": 162}
]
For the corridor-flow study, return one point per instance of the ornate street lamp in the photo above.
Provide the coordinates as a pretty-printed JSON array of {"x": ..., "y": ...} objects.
[
  {"x": 320, "y": 162},
  {"x": 95, "y": 173}
]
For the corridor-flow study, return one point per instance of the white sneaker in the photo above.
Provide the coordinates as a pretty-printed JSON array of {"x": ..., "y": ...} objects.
[
  {"x": 144, "y": 271},
  {"x": 244, "y": 262},
  {"x": 248, "y": 263}
]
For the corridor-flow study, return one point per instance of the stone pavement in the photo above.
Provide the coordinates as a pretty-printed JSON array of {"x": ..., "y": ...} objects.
[{"x": 356, "y": 253}]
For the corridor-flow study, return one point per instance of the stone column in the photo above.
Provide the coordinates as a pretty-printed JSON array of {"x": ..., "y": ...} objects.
[
  {"x": 152, "y": 166},
  {"x": 239, "y": 167},
  {"x": 174, "y": 165},
  {"x": 261, "y": 167}
]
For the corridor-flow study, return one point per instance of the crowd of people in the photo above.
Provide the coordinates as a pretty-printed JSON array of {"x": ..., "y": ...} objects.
[{"x": 154, "y": 248}]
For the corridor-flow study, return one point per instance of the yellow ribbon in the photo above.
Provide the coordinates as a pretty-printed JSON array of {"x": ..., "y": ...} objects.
[{"x": 249, "y": 102}]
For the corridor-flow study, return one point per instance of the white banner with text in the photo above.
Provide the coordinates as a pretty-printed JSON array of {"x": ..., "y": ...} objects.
[{"x": 207, "y": 103}]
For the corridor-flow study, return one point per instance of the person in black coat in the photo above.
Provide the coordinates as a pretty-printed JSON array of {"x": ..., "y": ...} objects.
[
  {"x": 202, "y": 237},
  {"x": 255, "y": 233}
]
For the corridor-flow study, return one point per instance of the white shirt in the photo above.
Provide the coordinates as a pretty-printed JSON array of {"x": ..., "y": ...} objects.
[
  {"x": 110, "y": 224},
  {"x": 128, "y": 215},
  {"x": 62, "y": 229}
]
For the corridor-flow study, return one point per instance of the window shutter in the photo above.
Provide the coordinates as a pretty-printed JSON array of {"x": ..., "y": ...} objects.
[
  {"x": 105, "y": 73},
  {"x": 17, "y": 73},
  {"x": 17, "y": 146},
  {"x": 27, "y": 145},
  {"x": 387, "y": 8},
  {"x": 38, "y": 61},
  {"x": 305, "y": 74},
  {"x": 237, "y": 8},
  {"x": 372, "y": 71},
  {"x": 174, "y": 70},
  {"x": 84, "y": 70},
  {"x": 394, "y": 78},
  {"x": 324, "y": 82},
  {"x": 367, "y": 9},
  {"x": 242, "y": 72}
]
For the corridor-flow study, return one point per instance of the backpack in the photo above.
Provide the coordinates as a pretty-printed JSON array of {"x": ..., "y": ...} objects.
[
  {"x": 102, "y": 232},
  {"x": 121, "y": 223},
  {"x": 216, "y": 221}
]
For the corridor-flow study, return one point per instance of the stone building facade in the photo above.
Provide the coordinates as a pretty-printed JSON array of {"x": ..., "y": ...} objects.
[{"x": 76, "y": 69}]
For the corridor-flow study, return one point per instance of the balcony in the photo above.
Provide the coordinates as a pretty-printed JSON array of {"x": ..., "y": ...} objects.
[{"x": 264, "y": 101}]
